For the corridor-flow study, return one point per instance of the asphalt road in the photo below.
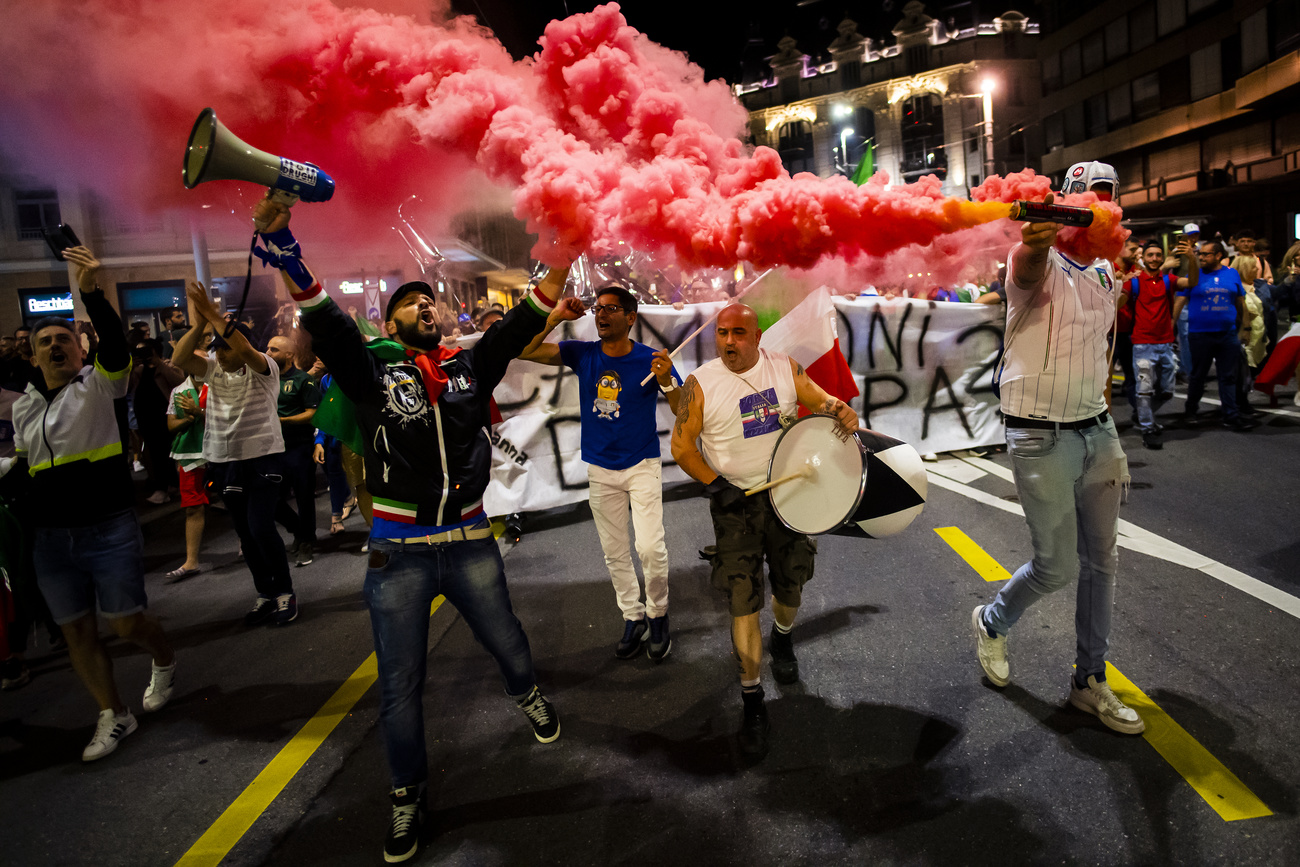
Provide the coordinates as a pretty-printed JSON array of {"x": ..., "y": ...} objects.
[{"x": 890, "y": 750}]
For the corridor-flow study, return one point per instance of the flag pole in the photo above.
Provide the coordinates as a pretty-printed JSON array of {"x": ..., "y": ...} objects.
[{"x": 709, "y": 321}]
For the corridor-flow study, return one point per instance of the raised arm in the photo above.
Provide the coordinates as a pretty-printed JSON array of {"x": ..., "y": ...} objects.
[
  {"x": 814, "y": 398},
  {"x": 113, "y": 356},
  {"x": 203, "y": 307},
  {"x": 1184, "y": 252},
  {"x": 541, "y": 352},
  {"x": 183, "y": 352},
  {"x": 335, "y": 338},
  {"x": 1029, "y": 259}
]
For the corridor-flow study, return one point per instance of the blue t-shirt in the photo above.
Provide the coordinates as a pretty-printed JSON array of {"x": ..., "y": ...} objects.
[
  {"x": 1211, "y": 303},
  {"x": 619, "y": 429}
]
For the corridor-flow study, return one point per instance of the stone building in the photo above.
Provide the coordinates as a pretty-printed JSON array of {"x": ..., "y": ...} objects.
[{"x": 911, "y": 103}]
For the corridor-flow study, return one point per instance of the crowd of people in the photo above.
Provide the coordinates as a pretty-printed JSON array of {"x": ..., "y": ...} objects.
[{"x": 395, "y": 413}]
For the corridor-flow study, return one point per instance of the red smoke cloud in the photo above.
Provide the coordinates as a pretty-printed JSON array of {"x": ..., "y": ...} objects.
[{"x": 603, "y": 136}]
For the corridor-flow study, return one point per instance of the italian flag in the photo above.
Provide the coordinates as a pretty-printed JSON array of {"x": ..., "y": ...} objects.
[
  {"x": 1282, "y": 363},
  {"x": 808, "y": 335}
]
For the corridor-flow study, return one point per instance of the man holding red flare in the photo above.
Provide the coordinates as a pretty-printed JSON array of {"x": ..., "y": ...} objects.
[{"x": 1066, "y": 456}]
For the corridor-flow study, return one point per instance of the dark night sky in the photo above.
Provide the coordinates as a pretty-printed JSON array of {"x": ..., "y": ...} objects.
[{"x": 714, "y": 33}]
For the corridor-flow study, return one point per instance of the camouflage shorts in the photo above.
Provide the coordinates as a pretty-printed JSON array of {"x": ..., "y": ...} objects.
[{"x": 748, "y": 533}]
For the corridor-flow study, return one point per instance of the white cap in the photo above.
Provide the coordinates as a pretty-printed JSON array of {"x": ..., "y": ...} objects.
[
  {"x": 1082, "y": 176},
  {"x": 1191, "y": 229}
]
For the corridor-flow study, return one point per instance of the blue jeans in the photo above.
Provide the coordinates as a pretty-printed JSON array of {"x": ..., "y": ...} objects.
[
  {"x": 1069, "y": 482},
  {"x": 1155, "y": 366},
  {"x": 1223, "y": 350},
  {"x": 1184, "y": 345},
  {"x": 402, "y": 581}
]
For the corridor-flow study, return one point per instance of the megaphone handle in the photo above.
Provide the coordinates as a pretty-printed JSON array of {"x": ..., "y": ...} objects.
[{"x": 285, "y": 198}]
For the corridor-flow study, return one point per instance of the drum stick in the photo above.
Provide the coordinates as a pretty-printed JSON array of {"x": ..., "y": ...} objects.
[
  {"x": 709, "y": 322},
  {"x": 802, "y": 474}
]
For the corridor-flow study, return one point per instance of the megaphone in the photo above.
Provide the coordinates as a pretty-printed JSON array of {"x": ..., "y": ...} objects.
[{"x": 214, "y": 153}]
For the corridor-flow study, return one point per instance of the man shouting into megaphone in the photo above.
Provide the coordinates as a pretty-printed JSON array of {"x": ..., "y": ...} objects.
[{"x": 423, "y": 412}]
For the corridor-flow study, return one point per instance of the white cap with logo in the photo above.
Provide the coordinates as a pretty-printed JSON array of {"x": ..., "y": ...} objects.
[{"x": 1191, "y": 229}]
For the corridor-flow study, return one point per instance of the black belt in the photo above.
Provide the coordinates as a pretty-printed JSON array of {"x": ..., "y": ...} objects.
[{"x": 1043, "y": 424}]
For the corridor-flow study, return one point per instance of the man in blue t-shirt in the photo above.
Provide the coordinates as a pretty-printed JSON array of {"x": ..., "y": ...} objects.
[
  {"x": 620, "y": 443},
  {"x": 1215, "y": 310}
]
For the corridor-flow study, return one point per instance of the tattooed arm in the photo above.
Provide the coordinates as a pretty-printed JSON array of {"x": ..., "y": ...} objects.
[
  {"x": 686, "y": 433},
  {"x": 814, "y": 398}
]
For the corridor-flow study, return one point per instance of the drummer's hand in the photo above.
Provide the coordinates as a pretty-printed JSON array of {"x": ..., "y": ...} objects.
[
  {"x": 842, "y": 411},
  {"x": 662, "y": 367},
  {"x": 723, "y": 493}
]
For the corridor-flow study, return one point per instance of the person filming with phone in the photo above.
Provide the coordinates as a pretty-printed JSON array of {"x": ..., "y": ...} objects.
[{"x": 87, "y": 549}]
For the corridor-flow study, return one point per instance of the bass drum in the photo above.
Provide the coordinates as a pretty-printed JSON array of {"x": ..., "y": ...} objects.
[{"x": 860, "y": 484}]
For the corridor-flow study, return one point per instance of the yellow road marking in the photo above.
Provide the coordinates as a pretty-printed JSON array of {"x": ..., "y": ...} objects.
[
  {"x": 1210, "y": 778},
  {"x": 234, "y": 823},
  {"x": 987, "y": 568},
  {"x": 1220, "y": 788}
]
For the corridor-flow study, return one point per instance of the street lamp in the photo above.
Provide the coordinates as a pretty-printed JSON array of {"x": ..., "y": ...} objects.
[
  {"x": 844, "y": 148},
  {"x": 986, "y": 87}
]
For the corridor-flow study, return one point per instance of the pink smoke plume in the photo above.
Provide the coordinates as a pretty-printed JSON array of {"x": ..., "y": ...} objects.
[{"x": 603, "y": 136}]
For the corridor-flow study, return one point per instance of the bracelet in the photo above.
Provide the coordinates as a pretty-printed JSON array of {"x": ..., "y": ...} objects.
[{"x": 669, "y": 388}]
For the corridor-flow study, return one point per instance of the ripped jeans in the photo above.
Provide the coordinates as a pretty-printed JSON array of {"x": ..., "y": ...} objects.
[
  {"x": 1070, "y": 483},
  {"x": 1155, "y": 367}
]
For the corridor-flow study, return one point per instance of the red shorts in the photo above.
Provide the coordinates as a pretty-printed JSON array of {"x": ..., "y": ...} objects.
[{"x": 193, "y": 490}]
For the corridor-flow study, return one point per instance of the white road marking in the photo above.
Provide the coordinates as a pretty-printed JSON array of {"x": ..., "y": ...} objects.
[
  {"x": 1289, "y": 412},
  {"x": 1135, "y": 538}
]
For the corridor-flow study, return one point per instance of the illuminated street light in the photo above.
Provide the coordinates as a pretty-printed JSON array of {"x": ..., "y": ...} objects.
[{"x": 844, "y": 149}]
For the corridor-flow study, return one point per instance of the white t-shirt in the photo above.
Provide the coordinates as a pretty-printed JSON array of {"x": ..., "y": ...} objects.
[
  {"x": 742, "y": 413},
  {"x": 242, "y": 422},
  {"x": 1054, "y": 366}
]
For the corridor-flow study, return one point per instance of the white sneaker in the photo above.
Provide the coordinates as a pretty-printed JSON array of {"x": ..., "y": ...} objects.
[
  {"x": 161, "y": 685},
  {"x": 157, "y": 498},
  {"x": 1100, "y": 700},
  {"x": 137, "y": 467},
  {"x": 110, "y": 729},
  {"x": 992, "y": 651}
]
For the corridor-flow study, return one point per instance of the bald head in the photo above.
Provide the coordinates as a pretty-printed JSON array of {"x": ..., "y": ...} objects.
[
  {"x": 738, "y": 335},
  {"x": 281, "y": 349}
]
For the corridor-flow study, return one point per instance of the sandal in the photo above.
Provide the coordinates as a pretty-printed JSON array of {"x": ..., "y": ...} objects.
[
  {"x": 336, "y": 525},
  {"x": 179, "y": 574},
  {"x": 349, "y": 507}
]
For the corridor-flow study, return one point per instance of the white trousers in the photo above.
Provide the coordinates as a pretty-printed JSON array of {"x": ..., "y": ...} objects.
[{"x": 639, "y": 487}]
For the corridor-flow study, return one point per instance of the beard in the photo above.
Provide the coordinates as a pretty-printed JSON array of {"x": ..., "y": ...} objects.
[{"x": 410, "y": 334}]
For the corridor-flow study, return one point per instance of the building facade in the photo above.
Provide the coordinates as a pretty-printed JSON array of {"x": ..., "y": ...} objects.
[
  {"x": 1195, "y": 102},
  {"x": 956, "y": 99}
]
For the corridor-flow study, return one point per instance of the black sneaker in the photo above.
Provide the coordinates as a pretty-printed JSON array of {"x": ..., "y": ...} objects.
[
  {"x": 634, "y": 635},
  {"x": 754, "y": 725},
  {"x": 1240, "y": 424},
  {"x": 1151, "y": 439},
  {"x": 303, "y": 555},
  {"x": 410, "y": 814},
  {"x": 785, "y": 668},
  {"x": 661, "y": 643},
  {"x": 286, "y": 609},
  {"x": 262, "y": 611},
  {"x": 541, "y": 713}
]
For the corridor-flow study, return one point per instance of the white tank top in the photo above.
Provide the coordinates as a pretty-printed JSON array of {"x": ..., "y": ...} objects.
[{"x": 742, "y": 413}]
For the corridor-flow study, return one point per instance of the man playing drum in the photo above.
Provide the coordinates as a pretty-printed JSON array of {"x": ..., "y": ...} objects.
[{"x": 734, "y": 407}]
